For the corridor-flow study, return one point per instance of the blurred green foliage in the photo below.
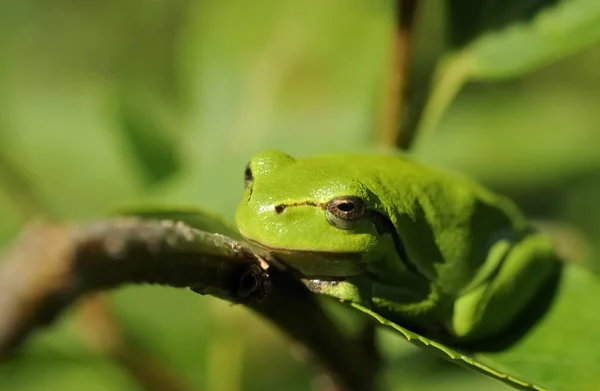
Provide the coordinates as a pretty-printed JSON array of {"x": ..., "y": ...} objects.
[{"x": 114, "y": 103}]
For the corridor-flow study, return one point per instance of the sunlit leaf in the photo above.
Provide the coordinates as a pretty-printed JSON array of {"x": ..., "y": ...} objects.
[{"x": 553, "y": 33}]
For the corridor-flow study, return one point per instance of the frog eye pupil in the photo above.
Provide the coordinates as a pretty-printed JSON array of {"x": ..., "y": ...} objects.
[{"x": 346, "y": 206}]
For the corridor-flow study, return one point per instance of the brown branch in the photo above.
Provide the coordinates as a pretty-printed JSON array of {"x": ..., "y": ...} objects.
[
  {"x": 394, "y": 100},
  {"x": 52, "y": 265}
]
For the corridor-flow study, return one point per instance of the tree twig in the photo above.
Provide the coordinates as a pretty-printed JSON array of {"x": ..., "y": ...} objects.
[
  {"x": 393, "y": 102},
  {"x": 52, "y": 265}
]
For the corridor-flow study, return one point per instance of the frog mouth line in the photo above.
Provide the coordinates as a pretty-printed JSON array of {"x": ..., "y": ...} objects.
[
  {"x": 350, "y": 255},
  {"x": 299, "y": 262}
]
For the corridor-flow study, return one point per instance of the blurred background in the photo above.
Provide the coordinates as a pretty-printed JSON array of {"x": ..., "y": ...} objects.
[{"x": 113, "y": 103}]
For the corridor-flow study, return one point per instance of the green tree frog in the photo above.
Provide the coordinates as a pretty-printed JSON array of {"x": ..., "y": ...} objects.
[{"x": 419, "y": 245}]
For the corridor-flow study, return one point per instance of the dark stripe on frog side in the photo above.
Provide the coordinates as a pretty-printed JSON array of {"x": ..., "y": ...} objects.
[{"x": 385, "y": 226}]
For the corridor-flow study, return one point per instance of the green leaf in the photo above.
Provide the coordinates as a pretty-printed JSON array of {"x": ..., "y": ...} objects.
[
  {"x": 469, "y": 18},
  {"x": 559, "y": 353},
  {"x": 552, "y": 34},
  {"x": 449, "y": 353}
]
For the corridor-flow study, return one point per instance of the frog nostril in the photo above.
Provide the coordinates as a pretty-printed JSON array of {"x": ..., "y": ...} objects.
[{"x": 279, "y": 209}]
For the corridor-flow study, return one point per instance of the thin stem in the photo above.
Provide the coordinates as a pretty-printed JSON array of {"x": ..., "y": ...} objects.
[{"x": 394, "y": 99}]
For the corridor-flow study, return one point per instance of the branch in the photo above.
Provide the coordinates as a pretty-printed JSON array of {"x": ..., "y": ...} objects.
[
  {"x": 52, "y": 265},
  {"x": 394, "y": 100}
]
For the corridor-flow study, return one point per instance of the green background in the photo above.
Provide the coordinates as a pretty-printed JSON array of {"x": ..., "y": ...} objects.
[{"x": 115, "y": 103}]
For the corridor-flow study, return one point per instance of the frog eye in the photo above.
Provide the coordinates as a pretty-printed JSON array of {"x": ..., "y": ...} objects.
[
  {"x": 248, "y": 178},
  {"x": 342, "y": 212}
]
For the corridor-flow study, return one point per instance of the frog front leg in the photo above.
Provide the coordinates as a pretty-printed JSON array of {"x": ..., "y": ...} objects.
[
  {"x": 493, "y": 305},
  {"x": 412, "y": 302}
]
